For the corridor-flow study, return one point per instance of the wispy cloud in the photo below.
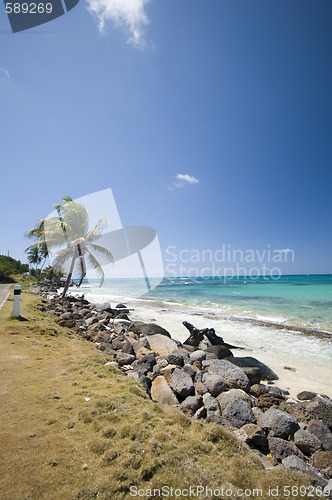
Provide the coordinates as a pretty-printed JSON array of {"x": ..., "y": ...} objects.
[
  {"x": 127, "y": 14},
  {"x": 183, "y": 180},
  {"x": 4, "y": 74}
]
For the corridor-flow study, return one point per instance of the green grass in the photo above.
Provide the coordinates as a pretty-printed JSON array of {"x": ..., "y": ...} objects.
[{"x": 57, "y": 445}]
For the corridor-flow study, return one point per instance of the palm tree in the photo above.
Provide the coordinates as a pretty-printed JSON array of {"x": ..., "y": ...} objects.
[
  {"x": 34, "y": 256},
  {"x": 69, "y": 232}
]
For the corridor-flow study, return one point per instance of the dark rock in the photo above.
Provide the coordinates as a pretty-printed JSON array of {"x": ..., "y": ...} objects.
[
  {"x": 66, "y": 315},
  {"x": 200, "y": 413},
  {"x": 306, "y": 442},
  {"x": 213, "y": 413},
  {"x": 175, "y": 358},
  {"x": 249, "y": 362},
  {"x": 190, "y": 369},
  {"x": 214, "y": 383},
  {"x": 279, "y": 423},
  {"x": 238, "y": 413},
  {"x": 67, "y": 323},
  {"x": 144, "y": 364},
  {"x": 274, "y": 390},
  {"x": 145, "y": 329},
  {"x": 127, "y": 348},
  {"x": 306, "y": 395},
  {"x": 256, "y": 435},
  {"x": 320, "y": 408},
  {"x": 191, "y": 404},
  {"x": 205, "y": 337},
  {"x": 220, "y": 351},
  {"x": 234, "y": 376},
  {"x": 267, "y": 400},
  {"x": 296, "y": 463},
  {"x": 122, "y": 316},
  {"x": 124, "y": 359},
  {"x": 257, "y": 390},
  {"x": 253, "y": 373},
  {"x": 280, "y": 449},
  {"x": 322, "y": 432},
  {"x": 227, "y": 397},
  {"x": 146, "y": 383},
  {"x": 181, "y": 383}
]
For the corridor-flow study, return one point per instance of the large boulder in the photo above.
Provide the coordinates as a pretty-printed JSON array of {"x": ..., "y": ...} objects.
[
  {"x": 268, "y": 400},
  {"x": 320, "y": 408},
  {"x": 234, "y": 376},
  {"x": 181, "y": 383},
  {"x": 238, "y": 413},
  {"x": 278, "y": 423},
  {"x": 220, "y": 351},
  {"x": 227, "y": 397},
  {"x": 145, "y": 329},
  {"x": 306, "y": 442},
  {"x": 162, "y": 393},
  {"x": 280, "y": 449},
  {"x": 124, "y": 358},
  {"x": 191, "y": 404},
  {"x": 161, "y": 344},
  {"x": 322, "y": 460},
  {"x": 198, "y": 355},
  {"x": 296, "y": 463},
  {"x": 214, "y": 383},
  {"x": 249, "y": 362},
  {"x": 322, "y": 432},
  {"x": 145, "y": 364}
]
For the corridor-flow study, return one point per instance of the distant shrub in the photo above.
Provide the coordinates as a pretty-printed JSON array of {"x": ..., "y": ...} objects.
[{"x": 10, "y": 267}]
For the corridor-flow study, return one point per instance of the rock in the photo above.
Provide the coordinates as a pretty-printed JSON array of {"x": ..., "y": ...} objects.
[
  {"x": 198, "y": 355},
  {"x": 220, "y": 351},
  {"x": 67, "y": 323},
  {"x": 167, "y": 371},
  {"x": 200, "y": 413},
  {"x": 235, "y": 377},
  {"x": 207, "y": 336},
  {"x": 296, "y": 463},
  {"x": 145, "y": 329},
  {"x": 175, "y": 358},
  {"x": 320, "y": 408},
  {"x": 144, "y": 364},
  {"x": 249, "y": 362},
  {"x": 255, "y": 435},
  {"x": 162, "y": 393},
  {"x": 124, "y": 359},
  {"x": 253, "y": 373},
  {"x": 214, "y": 383},
  {"x": 210, "y": 355},
  {"x": 226, "y": 397},
  {"x": 66, "y": 315},
  {"x": 274, "y": 390},
  {"x": 141, "y": 343},
  {"x": 306, "y": 395},
  {"x": 322, "y": 460},
  {"x": 191, "y": 404},
  {"x": 267, "y": 400},
  {"x": 306, "y": 442},
  {"x": 181, "y": 383},
  {"x": 322, "y": 432},
  {"x": 279, "y": 423},
  {"x": 238, "y": 413},
  {"x": 92, "y": 320},
  {"x": 280, "y": 449},
  {"x": 257, "y": 412},
  {"x": 161, "y": 344},
  {"x": 212, "y": 409},
  {"x": 190, "y": 369},
  {"x": 258, "y": 389},
  {"x": 128, "y": 348}
]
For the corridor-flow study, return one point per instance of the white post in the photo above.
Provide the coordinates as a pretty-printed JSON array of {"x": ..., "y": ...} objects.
[{"x": 17, "y": 301}]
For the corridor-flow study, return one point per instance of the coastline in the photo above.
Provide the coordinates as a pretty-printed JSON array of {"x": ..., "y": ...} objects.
[{"x": 308, "y": 357}]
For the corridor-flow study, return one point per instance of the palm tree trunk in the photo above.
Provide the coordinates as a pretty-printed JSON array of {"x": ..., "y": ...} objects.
[{"x": 69, "y": 274}]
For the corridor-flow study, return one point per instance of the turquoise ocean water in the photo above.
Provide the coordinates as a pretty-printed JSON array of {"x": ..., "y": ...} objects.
[{"x": 299, "y": 302}]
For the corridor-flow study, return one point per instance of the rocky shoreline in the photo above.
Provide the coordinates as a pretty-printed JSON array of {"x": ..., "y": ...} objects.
[{"x": 205, "y": 380}]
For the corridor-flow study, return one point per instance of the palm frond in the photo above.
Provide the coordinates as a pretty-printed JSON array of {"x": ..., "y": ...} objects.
[
  {"x": 95, "y": 265},
  {"x": 102, "y": 251},
  {"x": 97, "y": 230}
]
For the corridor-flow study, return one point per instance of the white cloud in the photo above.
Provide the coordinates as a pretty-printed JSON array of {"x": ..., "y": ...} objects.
[
  {"x": 4, "y": 74},
  {"x": 286, "y": 250},
  {"x": 127, "y": 14},
  {"x": 183, "y": 180}
]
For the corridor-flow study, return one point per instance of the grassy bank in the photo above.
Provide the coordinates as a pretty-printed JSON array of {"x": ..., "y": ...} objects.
[{"x": 56, "y": 444}]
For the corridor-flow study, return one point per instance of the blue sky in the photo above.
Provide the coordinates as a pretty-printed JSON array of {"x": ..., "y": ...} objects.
[{"x": 235, "y": 96}]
